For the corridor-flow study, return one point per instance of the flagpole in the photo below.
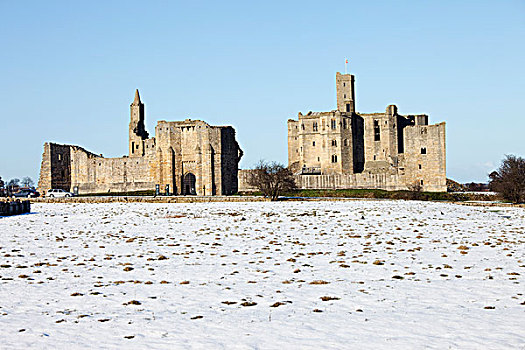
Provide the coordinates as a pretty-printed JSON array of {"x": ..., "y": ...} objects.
[{"x": 346, "y": 66}]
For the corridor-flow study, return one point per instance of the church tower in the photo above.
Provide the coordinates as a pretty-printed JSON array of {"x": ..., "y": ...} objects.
[
  {"x": 345, "y": 93},
  {"x": 137, "y": 130}
]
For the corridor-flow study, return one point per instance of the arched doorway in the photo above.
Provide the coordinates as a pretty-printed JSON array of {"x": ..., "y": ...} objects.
[{"x": 188, "y": 184}]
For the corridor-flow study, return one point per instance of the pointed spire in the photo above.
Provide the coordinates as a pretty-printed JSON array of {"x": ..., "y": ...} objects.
[{"x": 137, "y": 97}]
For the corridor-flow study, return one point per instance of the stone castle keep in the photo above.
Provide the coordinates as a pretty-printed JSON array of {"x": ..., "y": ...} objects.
[
  {"x": 347, "y": 149},
  {"x": 190, "y": 156}
]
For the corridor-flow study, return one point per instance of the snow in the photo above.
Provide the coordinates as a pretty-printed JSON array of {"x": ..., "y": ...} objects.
[{"x": 400, "y": 274}]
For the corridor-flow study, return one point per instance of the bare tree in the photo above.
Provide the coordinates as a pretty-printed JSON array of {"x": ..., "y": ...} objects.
[
  {"x": 27, "y": 181},
  {"x": 13, "y": 182},
  {"x": 509, "y": 179},
  {"x": 271, "y": 179}
]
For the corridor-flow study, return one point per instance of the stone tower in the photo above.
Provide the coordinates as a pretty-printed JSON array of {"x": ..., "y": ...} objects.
[
  {"x": 345, "y": 93},
  {"x": 137, "y": 130}
]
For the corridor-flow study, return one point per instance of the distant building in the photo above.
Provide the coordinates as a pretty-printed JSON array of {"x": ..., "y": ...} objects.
[
  {"x": 190, "y": 156},
  {"x": 346, "y": 149}
]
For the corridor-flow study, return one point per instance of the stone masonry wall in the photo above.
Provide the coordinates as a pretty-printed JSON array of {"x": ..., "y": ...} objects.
[
  {"x": 190, "y": 156},
  {"x": 346, "y": 149}
]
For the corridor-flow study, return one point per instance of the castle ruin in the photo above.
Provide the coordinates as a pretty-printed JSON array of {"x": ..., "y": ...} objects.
[
  {"x": 344, "y": 149},
  {"x": 187, "y": 157}
]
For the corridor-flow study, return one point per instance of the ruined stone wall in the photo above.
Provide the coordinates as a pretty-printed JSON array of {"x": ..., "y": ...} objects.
[
  {"x": 55, "y": 169},
  {"x": 424, "y": 161},
  {"x": 67, "y": 166},
  {"x": 106, "y": 175},
  {"x": 243, "y": 177},
  {"x": 194, "y": 148},
  {"x": 190, "y": 156},
  {"x": 230, "y": 157},
  {"x": 44, "y": 180}
]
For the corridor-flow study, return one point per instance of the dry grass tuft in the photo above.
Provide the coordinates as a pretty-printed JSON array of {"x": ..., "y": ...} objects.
[
  {"x": 319, "y": 282},
  {"x": 277, "y": 304},
  {"x": 327, "y": 298}
]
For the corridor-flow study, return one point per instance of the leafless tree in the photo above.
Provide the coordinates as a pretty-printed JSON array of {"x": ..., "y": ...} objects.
[
  {"x": 14, "y": 182},
  {"x": 27, "y": 181},
  {"x": 509, "y": 179},
  {"x": 271, "y": 179}
]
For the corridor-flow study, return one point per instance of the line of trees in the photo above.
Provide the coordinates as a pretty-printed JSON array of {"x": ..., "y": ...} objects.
[{"x": 14, "y": 184}]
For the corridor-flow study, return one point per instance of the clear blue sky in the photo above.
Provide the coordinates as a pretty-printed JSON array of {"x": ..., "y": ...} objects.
[{"x": 68, "y": 71}]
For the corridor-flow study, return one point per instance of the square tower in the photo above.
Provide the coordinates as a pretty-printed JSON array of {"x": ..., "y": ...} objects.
[{"x": 345, "y": 93}]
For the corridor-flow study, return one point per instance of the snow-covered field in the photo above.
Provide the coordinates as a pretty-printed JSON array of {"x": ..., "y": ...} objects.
[{"x": 288, "y": 275}]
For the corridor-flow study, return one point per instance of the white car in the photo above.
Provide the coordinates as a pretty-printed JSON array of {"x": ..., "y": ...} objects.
[{"x": 58, "y": 193}]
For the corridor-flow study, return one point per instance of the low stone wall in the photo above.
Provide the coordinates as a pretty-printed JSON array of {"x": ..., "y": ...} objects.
[
  {"x": 149, "y": 199},
  {"x": 15, "y": 207},
  {"x": 389, "y": 182},
  {"x": 211, "y": 199},
  {"x": 351, "y": 181}
]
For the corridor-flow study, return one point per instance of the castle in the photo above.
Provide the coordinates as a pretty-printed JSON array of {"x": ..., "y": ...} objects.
[
  {"x": 346, "y": 149},
  {"x": 187, "y": 157},
  {"x": 340, "y": 149}
]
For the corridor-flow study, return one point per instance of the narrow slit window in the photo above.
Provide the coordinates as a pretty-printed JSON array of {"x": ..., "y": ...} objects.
[
  {"x": 423, "y": 150},
  {"x": 334, "y": 158}
]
